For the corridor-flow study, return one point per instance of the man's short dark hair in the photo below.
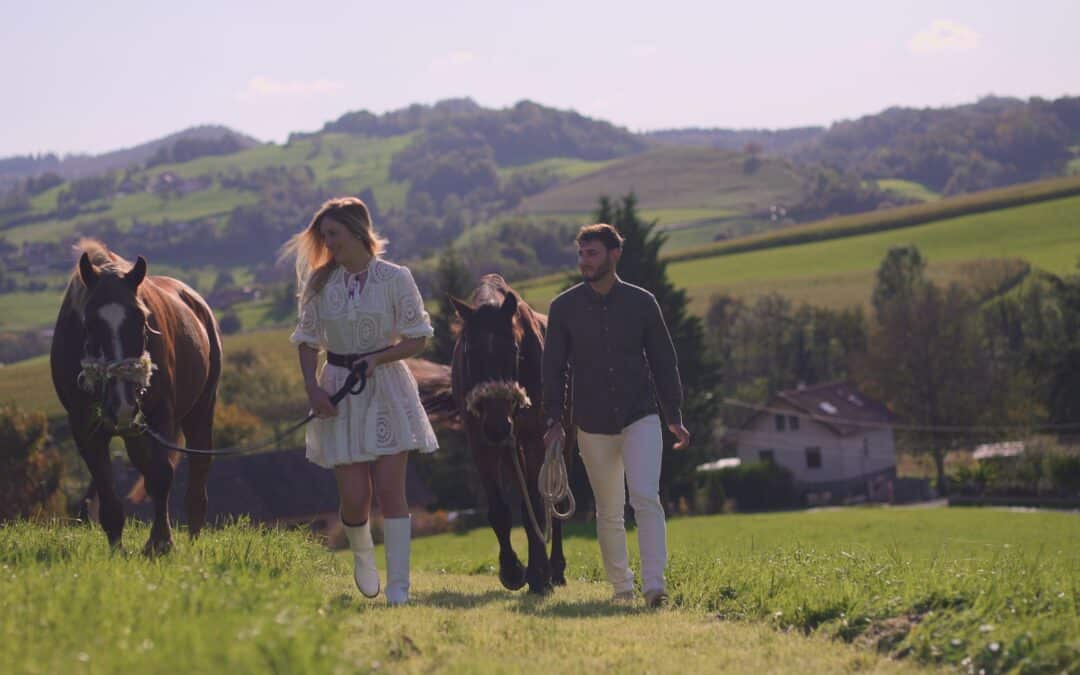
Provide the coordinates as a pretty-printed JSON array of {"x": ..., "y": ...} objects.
[{"x": 603, "y": 233}]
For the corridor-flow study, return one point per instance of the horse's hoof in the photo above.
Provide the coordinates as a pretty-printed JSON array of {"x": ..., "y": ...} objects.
[
  {"x": 152, "y": 549},
  {"x": 541, "y": 589},
  {"x": 558, "y": 579},
  {"x": 512, "y": 575}
]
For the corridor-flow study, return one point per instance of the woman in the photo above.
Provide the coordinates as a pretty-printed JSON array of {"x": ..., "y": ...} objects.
[{"x": 365, "y": 312}]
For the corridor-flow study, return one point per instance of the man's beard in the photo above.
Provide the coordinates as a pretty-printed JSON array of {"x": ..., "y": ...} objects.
[{"x": 601, "y": 271}]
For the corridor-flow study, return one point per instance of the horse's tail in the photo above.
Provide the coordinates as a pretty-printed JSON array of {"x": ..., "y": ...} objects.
[{"x": 137, "y": 494}]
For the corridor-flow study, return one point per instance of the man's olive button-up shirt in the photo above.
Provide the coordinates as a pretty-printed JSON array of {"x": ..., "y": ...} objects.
[{"x": 622, "y": 357}]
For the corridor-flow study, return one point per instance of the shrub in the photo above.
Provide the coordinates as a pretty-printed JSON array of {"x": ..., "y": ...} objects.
[
  {"x": 1064, "y": 473},
  {"x": 30, "y": 468},
  {"x": 709, "y": 492},
  {"x": 234, "y": 426},
  {"x": 760, "y": 486}
]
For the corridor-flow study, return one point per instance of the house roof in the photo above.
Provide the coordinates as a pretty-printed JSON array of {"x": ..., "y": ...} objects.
[{"x": 838, "y": 405}]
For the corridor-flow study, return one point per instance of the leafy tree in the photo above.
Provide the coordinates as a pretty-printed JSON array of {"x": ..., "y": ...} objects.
[
  {"x": 230, "y": 323},
  {"x": 899, "y": 275},
  {"x": 452, "y": 277},
  {"x": 926, "y": 358}
]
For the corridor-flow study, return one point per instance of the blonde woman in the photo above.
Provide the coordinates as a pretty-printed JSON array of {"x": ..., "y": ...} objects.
[{"x": 364, "y": 312}]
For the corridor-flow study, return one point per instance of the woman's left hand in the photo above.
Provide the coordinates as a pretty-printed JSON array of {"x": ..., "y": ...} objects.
[{"x": 371, "y": 362}]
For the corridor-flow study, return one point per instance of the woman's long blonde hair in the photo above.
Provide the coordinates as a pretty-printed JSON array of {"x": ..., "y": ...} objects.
[{"x": 314, "y": 262}]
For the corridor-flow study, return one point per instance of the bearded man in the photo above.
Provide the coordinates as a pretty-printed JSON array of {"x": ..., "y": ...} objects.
[{"x": 612, "y": 334}]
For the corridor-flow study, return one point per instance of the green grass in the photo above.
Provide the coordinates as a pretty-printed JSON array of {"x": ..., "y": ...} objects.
[
  {"x": 28, "y": 383},
  {"x": 970, "y": 578},
  {"x": 28, "y": 309},
  {"x": 840, "y": 272},
  {"x": 563, "y": 167},
  {"x": 807, "y": 592},
  {"x": 897, "y": 218},
  {"x": 672, "y": 177},
  {"x": 908, "y": 188},
  {"x": 350, "y": 163}
]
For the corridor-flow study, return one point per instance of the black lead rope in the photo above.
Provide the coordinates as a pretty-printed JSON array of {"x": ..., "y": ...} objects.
[{"x": 357, "y": 378}]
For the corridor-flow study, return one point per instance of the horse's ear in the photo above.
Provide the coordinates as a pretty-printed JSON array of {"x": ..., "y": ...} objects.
[
  {"x": 464, "y": 309},
  {"x": 87, "y": 272},
  {"x": 509, "y": 305},
  {"x": 137, "y": 273}
]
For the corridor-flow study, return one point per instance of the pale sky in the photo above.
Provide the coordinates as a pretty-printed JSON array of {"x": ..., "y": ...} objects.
[{"x": 97, "y": 76}]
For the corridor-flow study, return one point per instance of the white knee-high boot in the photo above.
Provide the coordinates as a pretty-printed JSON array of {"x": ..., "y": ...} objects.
[
  {"x": 365, "y": 574},
  {"x": 397, "y": 537}
]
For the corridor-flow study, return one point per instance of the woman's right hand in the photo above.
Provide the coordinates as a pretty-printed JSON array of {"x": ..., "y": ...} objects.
[{"x": 320, "y": 402}]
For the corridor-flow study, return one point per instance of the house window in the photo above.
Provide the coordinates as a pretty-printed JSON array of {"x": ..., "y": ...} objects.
[
  {"x": 813, "y": 458},
  {"x": 793, "y": 422},
  {"x": 766, "y": 456},
  {"x": 780, "y": 419}
]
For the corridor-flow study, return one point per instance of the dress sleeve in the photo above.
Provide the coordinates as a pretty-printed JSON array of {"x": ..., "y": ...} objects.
[
  {"x": 410, "y": 318},
  {"x": 307, "y": 325}
]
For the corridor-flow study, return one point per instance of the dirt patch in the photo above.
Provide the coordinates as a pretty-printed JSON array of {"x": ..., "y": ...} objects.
[{"x": 885, "y": 635}]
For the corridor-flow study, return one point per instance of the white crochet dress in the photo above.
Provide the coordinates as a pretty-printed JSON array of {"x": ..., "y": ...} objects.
[{"x": 387, "y": 417}]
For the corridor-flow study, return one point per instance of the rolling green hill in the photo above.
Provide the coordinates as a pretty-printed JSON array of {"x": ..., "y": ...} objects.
[
  {"x": 839, "y": 271},
  {"x": 710, "y": 183}
]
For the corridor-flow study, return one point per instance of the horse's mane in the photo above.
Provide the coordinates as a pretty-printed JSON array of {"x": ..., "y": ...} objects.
[
  {"x": 101, "y": 258},
  {"x": 492, "y": 290}
]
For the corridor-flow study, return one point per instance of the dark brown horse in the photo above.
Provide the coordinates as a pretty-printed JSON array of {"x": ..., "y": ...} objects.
[
  {"x": 496, "y": 384},
  {"x": 131, "y": 350}
]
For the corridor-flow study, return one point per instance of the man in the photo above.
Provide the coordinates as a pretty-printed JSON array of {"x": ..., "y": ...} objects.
[{"x": 613, "y": 335}]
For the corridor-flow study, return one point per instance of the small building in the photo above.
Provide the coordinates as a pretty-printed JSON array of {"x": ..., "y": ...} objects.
[{"x": 836, "y": 441}]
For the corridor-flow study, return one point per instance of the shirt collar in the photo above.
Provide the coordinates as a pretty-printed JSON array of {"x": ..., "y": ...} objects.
[{"x": 614, "y": 290}]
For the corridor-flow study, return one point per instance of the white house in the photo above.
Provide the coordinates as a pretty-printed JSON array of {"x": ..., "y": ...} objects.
[{"x": 832, "y": 438}]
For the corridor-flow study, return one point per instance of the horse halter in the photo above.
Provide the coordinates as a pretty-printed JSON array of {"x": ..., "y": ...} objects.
[{"x": 96, "y": 372}]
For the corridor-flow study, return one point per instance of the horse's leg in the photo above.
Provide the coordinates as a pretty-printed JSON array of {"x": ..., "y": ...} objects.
[
  {"x": 538, "y": 571},
  {"x": 94, "y": 448},
  {"x": 198, "y": 433},
  {"x": 511, "y": 571},
  {"x": 558, "y": 559},
  {"x": 153, "y": 462}
]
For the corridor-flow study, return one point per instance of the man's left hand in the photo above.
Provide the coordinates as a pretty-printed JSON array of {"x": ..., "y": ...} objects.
[{"x": 682, "y": 436}]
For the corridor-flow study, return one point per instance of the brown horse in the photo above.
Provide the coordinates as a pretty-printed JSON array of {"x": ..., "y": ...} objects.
[
  {"x": 131, "y": 350},
  {"x": 496, "y": 384}
]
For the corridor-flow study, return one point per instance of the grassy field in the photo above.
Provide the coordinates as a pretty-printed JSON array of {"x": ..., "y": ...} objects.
[
  {"x": 677, "y": 178},
  {"x": 829, "y": 591},
  {"x": 29, "y": 384},
  {"x": 355, "y": 162},
  {"x": 563, "y": 167},
  {"x": 840, "y": 272},
  {"x": 907, "y": 188},
  {"x": 896, "y": 218}
]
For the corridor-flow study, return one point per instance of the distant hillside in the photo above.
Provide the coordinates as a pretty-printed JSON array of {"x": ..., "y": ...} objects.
[
  {"x": 772, "y": 141},
  {"x": 994, "y": 142},
  {"x": 679, "y": 178},
  {"x": 78, "y": 166},
  {"x": 832, "y": 263}
]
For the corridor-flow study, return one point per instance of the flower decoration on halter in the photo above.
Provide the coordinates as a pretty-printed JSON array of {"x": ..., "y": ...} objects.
[
  {"x": 506, "y": 389},
  {"x": 97, "y": 371}
]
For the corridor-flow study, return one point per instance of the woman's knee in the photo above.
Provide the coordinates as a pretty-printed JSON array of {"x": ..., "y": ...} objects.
[{"x": 392, "y": 502}]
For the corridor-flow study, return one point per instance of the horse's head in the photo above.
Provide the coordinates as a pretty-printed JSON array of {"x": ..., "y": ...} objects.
[
  {"x": 116, "y": 365},
  {"x": 491, "y": 362}
]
